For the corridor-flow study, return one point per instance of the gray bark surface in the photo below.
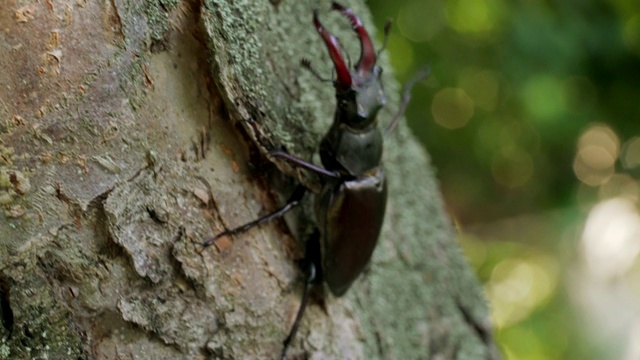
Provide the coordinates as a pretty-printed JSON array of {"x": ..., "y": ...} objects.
[{"x": 115, "y": 120}]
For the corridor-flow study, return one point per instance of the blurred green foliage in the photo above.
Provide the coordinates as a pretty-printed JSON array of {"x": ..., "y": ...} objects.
[{"x": 516, "y": 86}]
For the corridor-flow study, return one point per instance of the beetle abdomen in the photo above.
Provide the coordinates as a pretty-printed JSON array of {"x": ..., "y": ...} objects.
[{"x": 350, "y": 225}]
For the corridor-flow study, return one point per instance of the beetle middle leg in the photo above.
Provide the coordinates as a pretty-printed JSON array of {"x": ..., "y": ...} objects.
[
  {"x": 293, "y": 201},
  {"x": 312, "y": 261}
]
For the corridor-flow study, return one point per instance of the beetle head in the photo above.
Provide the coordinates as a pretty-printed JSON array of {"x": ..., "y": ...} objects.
[{"x": 359, "y": 92}]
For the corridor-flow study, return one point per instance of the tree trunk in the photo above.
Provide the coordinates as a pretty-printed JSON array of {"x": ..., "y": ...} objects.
[{"x": 117, "y": 117}]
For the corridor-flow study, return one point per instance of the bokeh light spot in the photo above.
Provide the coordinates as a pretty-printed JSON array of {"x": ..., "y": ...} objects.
[
  {"x": 631, "y": 34},
  {"x": 482, "y": 86},
  {"x": 475, "y": 249},
  {"x": 412, "y": 24},
  {"x": 611, "y": 238},
  {"x": 589, "y": 165},
  {"x": 543, "y": 96},
  {"x": 631, "y": 155},
  {"x": 513, "y": 167},
  {"x": 620, "y": 185},
  {"x": 452, "y": 108},
  {"x": 518, "y": 286},
  {"x": 602, "y": 136},
  {"x": 472, "y": 16},
  {"x": 596, "y": 157},
  {"x": 598, "y": 150},
  {"x": 402, "y": 50}
]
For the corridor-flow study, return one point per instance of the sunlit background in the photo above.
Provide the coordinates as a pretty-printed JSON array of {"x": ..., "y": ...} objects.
[{"x": 530, "y": 117}]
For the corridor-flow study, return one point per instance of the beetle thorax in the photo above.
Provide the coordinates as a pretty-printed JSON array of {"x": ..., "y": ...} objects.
[{"x": 351, "y": 151}]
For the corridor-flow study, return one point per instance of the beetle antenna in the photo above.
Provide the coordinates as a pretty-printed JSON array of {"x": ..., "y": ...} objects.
[
  {"x": 406, "y": 97},
  {"x": 306, "y": 63},
  {"x": 387, "y": 29}
]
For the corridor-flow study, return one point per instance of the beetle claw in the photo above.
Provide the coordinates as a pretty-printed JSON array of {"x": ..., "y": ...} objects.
[
  {"x": 367, "y": 53},
  {"x": 344, "y": 77}
]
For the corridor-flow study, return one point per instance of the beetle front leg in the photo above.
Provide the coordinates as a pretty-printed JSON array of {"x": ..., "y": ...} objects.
[{"x": 305, "y": 164}]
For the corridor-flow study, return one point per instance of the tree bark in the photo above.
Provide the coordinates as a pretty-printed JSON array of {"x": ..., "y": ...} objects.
[{"x": 117, "y": 119}]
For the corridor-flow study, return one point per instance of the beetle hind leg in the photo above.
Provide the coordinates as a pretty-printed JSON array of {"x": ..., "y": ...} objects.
[
  {"x": 308, "y": 285},
  {"x": 313, "y": 277}
]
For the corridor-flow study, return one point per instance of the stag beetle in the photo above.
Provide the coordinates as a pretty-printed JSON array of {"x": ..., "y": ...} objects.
[{"x": 350, "y": 207}]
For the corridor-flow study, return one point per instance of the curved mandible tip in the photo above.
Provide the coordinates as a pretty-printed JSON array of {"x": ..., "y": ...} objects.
[
  {"x": 344, "y": 77},
  {"x": 367, "y": 53}
]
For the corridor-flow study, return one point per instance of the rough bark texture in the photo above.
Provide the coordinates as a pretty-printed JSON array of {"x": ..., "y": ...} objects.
[{"x": 114, "y": 117}]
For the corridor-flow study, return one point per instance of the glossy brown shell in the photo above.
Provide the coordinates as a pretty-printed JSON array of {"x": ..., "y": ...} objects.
[{"x": 350, "y": 215}]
